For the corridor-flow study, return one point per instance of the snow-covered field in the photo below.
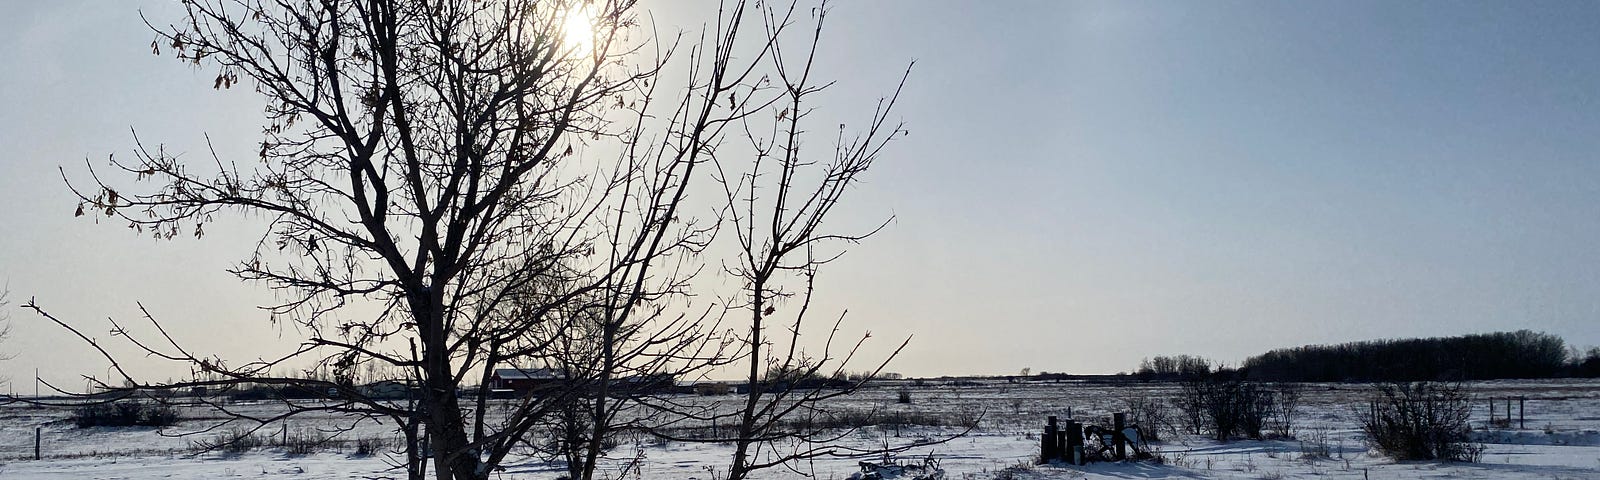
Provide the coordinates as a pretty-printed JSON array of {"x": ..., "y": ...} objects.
[{"x": 1561, "y": 441}]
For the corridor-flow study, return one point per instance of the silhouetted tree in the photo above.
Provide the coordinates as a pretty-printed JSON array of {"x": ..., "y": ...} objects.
[
  {"x": 776, "y": 200},
  {"x": 487, "y": 183},
  {"x": 5, "y": 326},
  {"x": 777, "y": 220}
]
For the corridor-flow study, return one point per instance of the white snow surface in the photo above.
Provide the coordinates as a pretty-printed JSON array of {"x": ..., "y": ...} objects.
[{"x": 1559, "y": 440}]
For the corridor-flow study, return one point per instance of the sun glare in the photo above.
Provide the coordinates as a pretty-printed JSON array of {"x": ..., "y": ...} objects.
[{"x": 578, "y": 28}]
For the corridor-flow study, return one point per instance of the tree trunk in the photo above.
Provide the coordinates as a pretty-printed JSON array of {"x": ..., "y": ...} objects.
[
  {"x": 601, "y": 420},
  {"x": 753, "y": 391},
  {"x": 445, "y": 426}
]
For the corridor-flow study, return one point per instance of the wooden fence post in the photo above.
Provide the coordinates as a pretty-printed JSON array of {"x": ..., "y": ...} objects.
[
  {"x": 1063, "y": 451},
  {"x": 37, "y": 442},
  {"x": 1075, "y": 442},
  {"x": 1522, "y": 412},
  {"x": 1047, "y": 442},
  {"x": 1119, "y": 421}
]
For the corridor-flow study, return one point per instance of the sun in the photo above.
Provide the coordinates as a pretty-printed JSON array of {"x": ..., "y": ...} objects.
[{"x": 578, "y": 30}]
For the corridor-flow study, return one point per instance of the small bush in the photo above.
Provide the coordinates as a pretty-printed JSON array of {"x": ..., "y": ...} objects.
[
  {"x": 1229, "y": 407},
  {"x": 1226, "y": 406},
  {"x": 1286, "y": 403},
  {"x": 1421, "y": 421},
  {"x": 369, "y": 446},
  {"x": 1017, "y": 471},
  {"x": 1151, "y": 415},
  {"x": 235, "y": 440},
  {"x": 905, "y": 396},
  {"x": 160, "y": 415},
  {"x": 129, "y": 413},
  {"x": 304, "y": 441},
  {"x": 1314, "y": 444}
]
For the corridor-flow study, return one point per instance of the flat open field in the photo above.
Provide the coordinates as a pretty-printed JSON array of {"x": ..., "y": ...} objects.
[{"x": 1561, "y": 440}]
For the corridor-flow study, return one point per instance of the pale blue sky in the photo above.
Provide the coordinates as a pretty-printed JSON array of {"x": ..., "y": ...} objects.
[{"x": 1085, "y": 183}]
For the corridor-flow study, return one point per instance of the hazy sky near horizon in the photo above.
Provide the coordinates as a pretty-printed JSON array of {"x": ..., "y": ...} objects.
[{"x": 1085, "y": 183}]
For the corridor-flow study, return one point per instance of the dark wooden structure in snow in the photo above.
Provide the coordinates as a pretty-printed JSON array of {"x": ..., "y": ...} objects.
[{"x": 1079, "y": 443}]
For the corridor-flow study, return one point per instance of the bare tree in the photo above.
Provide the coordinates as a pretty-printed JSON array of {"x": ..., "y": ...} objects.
[
  {"x": 5, "y": 317},
  {"x": 777, "y": 203},
  {"x": 776, "y": 200},
  {"x": 487, "y": 182},
  {"x": 5, "y": 330}
]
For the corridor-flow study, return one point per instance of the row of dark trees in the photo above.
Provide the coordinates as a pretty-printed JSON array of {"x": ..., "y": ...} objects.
[
  {"x": 1487, "y": 356},
  {"x": 1519, "y": 354}
]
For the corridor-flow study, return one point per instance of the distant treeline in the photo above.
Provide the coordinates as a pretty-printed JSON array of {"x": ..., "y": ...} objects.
[
  {"x": 1170, "y": 367},
  {"x": 1488, "y": 356}
]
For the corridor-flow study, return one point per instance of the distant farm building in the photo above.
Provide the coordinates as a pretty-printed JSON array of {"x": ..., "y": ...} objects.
[
  {"x": 646, "y": 384},
  {"x": 712, "y": 388},
  {"x": 390, "y": 389},
  {"x": 524, "y": 380}
]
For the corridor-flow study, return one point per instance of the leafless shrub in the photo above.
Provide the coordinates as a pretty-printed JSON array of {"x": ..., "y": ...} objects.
[
  {"x": 305, "y": 441},
  {"x": 128, "y": 413},
  {"x": 1152, "y": 415},
  {"x": 234, "y": 440},
  {"x": 1014, "y": 472},
  {"x": 369, "y": 446},
  {"x": 1287, "y": 407},
  {"x": 1314, "y": 444},
  {"x": 1229, "y": 407},
  {"x": 1421, "y": 421}
]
